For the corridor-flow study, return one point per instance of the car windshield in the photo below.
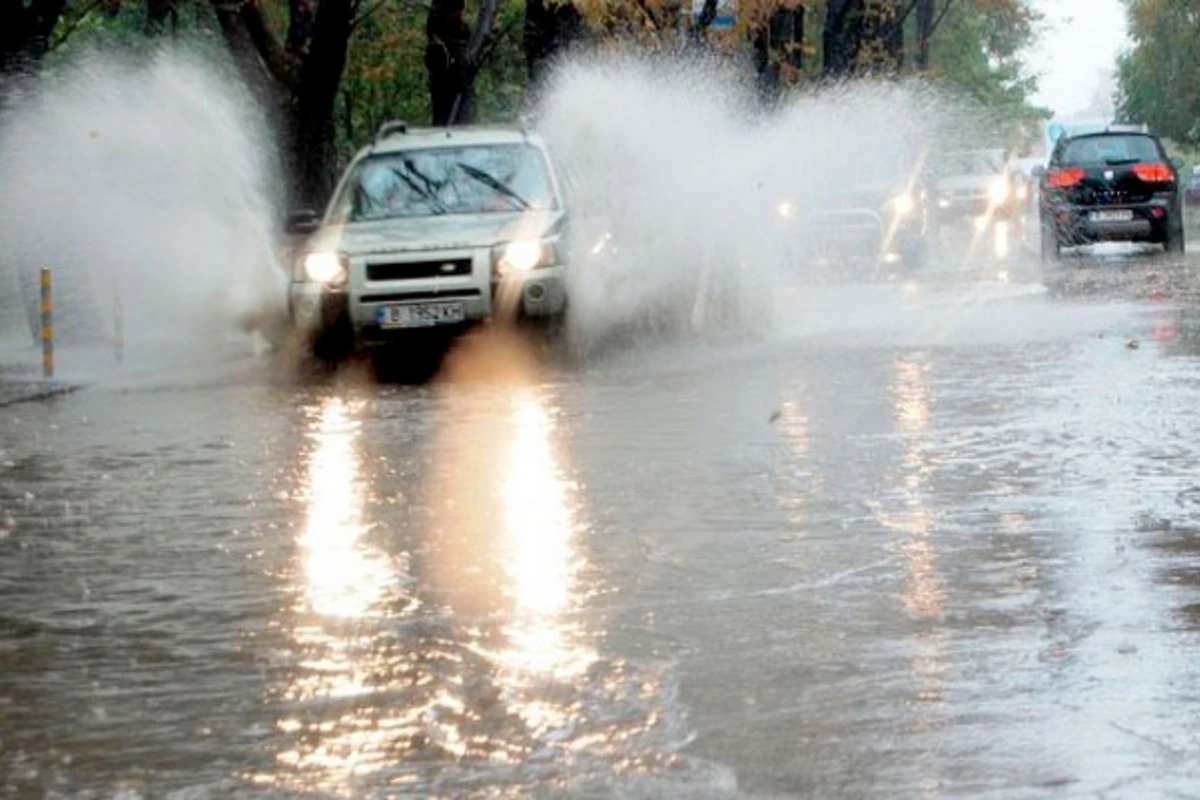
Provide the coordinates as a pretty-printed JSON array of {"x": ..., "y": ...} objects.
[
  {"x": 1120, "y": 149},
  {"x": 478, "y": 179},
  {"x": 984, "y": 162}
]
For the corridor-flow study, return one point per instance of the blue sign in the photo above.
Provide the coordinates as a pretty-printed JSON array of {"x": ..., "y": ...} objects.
[
  {"x": 726, "y": 13},
  {"x": 1055, "y": 131}
]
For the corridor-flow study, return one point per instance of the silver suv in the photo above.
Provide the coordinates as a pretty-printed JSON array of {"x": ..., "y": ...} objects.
[{"x": 432, "y": 228}]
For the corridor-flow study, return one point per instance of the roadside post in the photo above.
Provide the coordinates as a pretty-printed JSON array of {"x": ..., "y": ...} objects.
[
  {"x": 47, "y": 309},
  {"x": 118, "y": 328}
]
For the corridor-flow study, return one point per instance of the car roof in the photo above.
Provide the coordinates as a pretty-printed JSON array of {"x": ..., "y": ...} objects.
[
  {"x": 461, "y": 136},
  {"x": 975, "y": 152}
]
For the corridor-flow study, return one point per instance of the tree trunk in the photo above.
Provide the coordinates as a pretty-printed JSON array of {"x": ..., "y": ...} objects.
[
  {"x": 778, "y": 42},
  {"x": 843, "y": 36},
  {"x": 314, "y": 95},
  {"x": 885, "y": 35},
  {"x": 446, "y": 37},
  {"x": 925, "y": 17},
  {"x": 297, "y": 79},
  {"x": 25, "y": 37},
  {"x": 863, "y": 36},
  {"x": 550, "y": 27}
]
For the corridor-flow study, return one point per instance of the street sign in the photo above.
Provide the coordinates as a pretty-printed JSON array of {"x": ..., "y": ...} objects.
[{"x": 726, "y": 13}]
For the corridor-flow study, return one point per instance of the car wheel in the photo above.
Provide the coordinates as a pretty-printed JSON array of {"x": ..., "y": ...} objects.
[
  {"x": 1051, "y": 249},
  {"x": 1174, "y": 241},
  {"x": 914, "y": 256}
]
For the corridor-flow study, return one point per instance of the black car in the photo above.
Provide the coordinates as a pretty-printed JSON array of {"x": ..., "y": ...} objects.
[
  {"x": 1110, "y": 186},
  {"x": 882, "y": 222}
]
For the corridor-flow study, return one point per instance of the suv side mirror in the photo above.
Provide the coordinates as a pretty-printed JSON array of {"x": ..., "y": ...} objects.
[
  {"x": 1177, "y": 163},
  {"x": 1038, "y": 172},
  {"x": 302, "y": 222}
]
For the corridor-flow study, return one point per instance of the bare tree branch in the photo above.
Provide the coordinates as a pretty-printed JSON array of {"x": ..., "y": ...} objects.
[
  {"x": 245, "y": 17},
  {"x": 84, "y": 13},
  {"x": 941, "y": 16},
  {"x": 483, "y": 32}
]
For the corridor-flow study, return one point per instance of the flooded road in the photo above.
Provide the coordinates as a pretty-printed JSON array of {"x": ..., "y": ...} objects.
[{"x": 927, "y": 540}]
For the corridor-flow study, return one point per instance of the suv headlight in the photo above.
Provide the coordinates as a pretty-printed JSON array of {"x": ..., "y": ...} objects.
[
  {"x": 903, "y": 203},
  {"x": 330, "y": 269},
  {"x": 524, "y": 255},
  {"x": 998, "y": 191}
]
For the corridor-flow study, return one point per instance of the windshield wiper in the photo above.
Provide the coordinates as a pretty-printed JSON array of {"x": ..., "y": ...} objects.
[
  {"x": 493, "y": 183},
  {"x": 424, "y": 191}
]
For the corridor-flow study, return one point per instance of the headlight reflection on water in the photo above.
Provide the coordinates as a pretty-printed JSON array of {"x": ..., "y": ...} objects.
[
  {"x": 924, "y": 593},
  {"x": 343, "y": 579},
  {"x": 344, "y": 587},
  {"x": 539, "y": 531}
]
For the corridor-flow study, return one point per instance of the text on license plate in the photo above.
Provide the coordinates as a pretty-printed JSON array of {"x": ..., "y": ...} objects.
[
  {"x": 420, "y": 315},
  {"x": 1124, "y": 215}
]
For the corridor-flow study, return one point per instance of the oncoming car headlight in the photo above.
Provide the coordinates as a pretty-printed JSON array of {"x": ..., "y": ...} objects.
[
  {"x": 998, "y": 191},
  {"x": 327, "y": 268},
  {"x": 903, "y": 203},
  {"x": 523, "y": 255}
]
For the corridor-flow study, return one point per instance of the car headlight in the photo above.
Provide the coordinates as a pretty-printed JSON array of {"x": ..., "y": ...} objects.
[
  {"x": 786, "y": 209},
  {"x": 602, "y": 244},
  {"x": 998, "y": 191},
  {"x": 903, "y": 204},
  {"x": 327, "y": 268},
  {"x": 523, "y": 255}
]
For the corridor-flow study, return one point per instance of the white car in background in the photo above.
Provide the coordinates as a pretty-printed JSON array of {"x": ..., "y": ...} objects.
[{"x": 432, "y": 229}]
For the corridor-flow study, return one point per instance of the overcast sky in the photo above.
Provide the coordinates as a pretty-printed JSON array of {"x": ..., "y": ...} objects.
[{"x": 1079, "y": 39}]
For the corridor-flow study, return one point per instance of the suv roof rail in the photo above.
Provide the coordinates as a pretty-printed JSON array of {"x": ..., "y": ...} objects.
[{"x": 390, "y": 128}]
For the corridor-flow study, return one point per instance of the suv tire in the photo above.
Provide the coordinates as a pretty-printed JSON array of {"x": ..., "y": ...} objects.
[
  {"x": 1051, "y": 248},
  {"x": 1174, "y": 241}
]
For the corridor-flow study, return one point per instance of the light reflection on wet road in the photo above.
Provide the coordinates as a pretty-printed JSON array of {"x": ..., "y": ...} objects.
[{"x": 939, "y": 544}]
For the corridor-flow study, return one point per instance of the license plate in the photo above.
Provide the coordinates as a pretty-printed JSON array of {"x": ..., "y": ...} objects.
[
  {"x": 1124, "y": 215},
  {"x": 420, "y": 315}
]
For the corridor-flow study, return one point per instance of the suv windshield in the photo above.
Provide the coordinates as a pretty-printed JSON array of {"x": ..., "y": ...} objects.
[
  {"x": 983, "y": 162},
  {"x": 1109, "y": 149},
  {"x": 478, "y": 179}
]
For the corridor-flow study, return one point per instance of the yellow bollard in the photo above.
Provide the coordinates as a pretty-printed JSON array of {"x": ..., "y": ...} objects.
[{"x": 47, "y": 325}]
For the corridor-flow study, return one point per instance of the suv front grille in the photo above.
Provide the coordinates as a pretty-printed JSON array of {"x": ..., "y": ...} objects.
[{"x": 412, "y": 270}]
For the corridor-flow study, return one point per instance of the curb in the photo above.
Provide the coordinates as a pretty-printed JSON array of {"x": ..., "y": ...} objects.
[{"x": 12, "y": 394}]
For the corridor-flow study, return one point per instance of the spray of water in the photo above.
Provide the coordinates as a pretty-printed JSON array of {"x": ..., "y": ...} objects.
[
  {"x": 145, "y": 185},
  {"x": 672, "y": 158}
]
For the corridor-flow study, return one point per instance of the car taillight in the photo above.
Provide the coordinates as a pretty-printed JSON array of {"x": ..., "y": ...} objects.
[
  {"x": 1154, "y": 173},
  {"x": 1071, "y": 176}
]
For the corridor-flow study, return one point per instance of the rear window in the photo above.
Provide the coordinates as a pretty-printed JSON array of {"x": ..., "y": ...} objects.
[{"x": 1114, "y": 149}]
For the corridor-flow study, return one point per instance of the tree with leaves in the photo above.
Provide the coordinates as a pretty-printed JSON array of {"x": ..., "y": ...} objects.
[{"x": 1157, "y": 78}]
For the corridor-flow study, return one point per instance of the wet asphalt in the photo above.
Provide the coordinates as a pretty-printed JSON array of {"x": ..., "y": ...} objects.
[{"x": 934, "y": 538}]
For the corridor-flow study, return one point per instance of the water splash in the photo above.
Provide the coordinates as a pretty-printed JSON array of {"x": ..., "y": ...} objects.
[
  {"x": 671, "y": 155},
  {"x": 145, "y": 184}
]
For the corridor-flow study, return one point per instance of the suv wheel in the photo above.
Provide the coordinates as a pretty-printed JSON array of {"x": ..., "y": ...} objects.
[
  {"x": 1174, "y": 241},
  {"x": 1051, "y": 249}
]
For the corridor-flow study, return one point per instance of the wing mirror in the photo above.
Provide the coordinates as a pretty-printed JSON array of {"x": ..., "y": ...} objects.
[
  {"x": 1038, "y": 172},
  {"x": 302, "y": 222}
]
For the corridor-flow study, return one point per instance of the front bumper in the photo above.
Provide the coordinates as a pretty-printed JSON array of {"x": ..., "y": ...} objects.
[
  {"x": 316, "y": 308},
  {"x": 859, "y": 235},
  {"x": 960, "y": 208}
]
